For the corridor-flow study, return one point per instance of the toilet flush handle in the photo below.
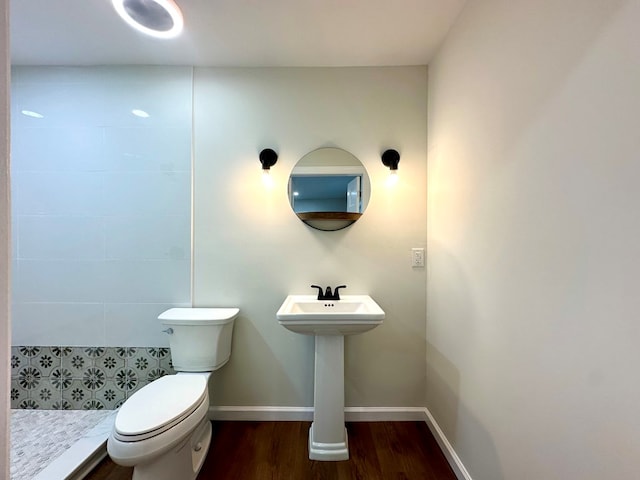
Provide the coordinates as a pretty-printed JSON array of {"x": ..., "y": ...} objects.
[{"x": 168, "y": 331}]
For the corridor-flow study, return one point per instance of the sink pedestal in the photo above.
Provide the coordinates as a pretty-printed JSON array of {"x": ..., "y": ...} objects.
[
  {"x": 329, "y": 321},
  {"x": 328, "y": 435}
]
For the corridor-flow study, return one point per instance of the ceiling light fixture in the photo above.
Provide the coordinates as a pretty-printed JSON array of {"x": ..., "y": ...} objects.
[{"x": 157, "y": 18}]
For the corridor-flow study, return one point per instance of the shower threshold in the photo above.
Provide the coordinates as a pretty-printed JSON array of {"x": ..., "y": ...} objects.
[{"x": 58, "y": 444}]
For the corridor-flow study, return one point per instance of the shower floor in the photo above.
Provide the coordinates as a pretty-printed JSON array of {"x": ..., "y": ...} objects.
[{"x": 57, "y": 444}]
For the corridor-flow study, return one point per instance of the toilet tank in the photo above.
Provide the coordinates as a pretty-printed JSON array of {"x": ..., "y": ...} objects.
[{"x": 199, "y": 338}]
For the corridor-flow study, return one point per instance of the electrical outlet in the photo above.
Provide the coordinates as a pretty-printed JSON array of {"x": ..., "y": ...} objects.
[{"x": 417, "y": 257}]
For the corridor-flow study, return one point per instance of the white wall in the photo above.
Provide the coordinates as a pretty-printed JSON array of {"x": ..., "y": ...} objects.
[
  {"x": 101, "y": 203},
  {"x": 250, "y": 250},
  {"x": 82, "y": 206},
  {"x": 533, "y": 244},
  {"x": 4, "y": 239}
]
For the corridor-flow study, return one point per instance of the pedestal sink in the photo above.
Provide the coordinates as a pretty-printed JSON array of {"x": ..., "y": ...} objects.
[{"x": 329, "y": 321}]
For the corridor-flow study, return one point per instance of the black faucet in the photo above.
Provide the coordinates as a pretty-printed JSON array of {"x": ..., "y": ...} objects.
[{"x": 328, "y": 295}]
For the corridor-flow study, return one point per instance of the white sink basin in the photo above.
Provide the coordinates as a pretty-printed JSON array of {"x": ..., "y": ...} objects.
[{"x": 350, "y": 315}]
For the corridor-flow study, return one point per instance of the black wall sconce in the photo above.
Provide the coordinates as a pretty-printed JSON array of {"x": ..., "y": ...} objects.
[
  {"x": 391, "y": 158},
  {"x": 268, "y": 158}
]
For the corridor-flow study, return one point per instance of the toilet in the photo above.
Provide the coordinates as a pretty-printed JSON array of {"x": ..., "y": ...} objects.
[{"x": 163, "y": 430}]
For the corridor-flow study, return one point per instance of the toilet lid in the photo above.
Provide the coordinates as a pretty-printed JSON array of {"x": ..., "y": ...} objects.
[{"x": 162, "y": 403}]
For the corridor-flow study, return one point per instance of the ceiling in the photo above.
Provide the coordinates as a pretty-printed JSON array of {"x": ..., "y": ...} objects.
[{"x": 236, "y": 33}]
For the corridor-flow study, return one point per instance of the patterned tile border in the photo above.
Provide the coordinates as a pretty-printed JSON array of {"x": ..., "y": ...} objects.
[{"x": 82, "y": 378}]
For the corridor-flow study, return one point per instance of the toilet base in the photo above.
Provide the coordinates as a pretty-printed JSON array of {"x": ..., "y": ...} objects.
[{"x": 182, "y": 462}]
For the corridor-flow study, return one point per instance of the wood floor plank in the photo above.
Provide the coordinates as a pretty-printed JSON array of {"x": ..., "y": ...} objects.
[
  {"x": 107, "y": 470},
  {"x": 278, "y": 451},
  {"x": 364, "y": 460}
]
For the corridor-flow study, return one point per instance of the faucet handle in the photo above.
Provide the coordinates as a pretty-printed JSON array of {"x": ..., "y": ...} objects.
[
  {"x": 336, "y": 293},
  {"x": 328, "y": 295},
  {"x": 320, "y": 294}
]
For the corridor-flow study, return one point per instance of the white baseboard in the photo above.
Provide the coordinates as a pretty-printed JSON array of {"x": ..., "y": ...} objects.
[
  {"x": 352, "y": 414},
  {"x": 305, "y": 414},
  {"x": 383, "y": 414},
  {"x": 262, "y": 414},
  {"x": 446, "y": 447}
]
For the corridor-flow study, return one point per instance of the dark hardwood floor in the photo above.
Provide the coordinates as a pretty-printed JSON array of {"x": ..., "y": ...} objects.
[{"x": 278, "y": 451}]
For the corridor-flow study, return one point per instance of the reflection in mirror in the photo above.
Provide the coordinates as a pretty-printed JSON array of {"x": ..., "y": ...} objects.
[
  {"x": 326, "y": 193},
  {"x": 329, "y": 189}
]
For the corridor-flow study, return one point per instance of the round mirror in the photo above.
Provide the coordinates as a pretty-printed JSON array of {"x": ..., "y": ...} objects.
[{"x": 329, "y": 189}]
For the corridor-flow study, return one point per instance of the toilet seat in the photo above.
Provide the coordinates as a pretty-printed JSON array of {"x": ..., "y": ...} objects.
[{"x": 160, "y": 406}]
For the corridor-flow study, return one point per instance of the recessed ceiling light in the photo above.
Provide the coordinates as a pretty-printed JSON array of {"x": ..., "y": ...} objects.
[{"x": 158, "y": 18}]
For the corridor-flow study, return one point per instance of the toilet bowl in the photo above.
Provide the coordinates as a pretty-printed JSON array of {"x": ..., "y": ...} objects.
[
  {"x": 163, "y": 430},
  {"x": 166, "y": 419}
]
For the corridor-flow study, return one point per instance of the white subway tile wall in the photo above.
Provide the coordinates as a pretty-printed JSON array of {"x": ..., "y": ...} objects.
[{"x": 101, "y": 204}]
